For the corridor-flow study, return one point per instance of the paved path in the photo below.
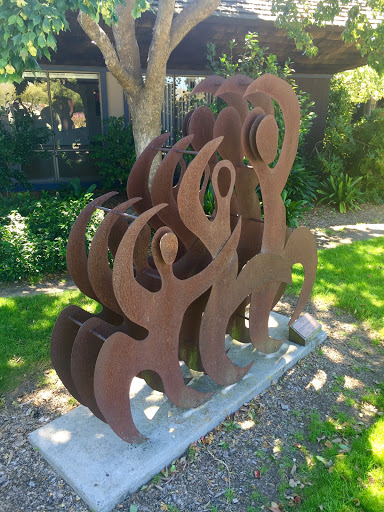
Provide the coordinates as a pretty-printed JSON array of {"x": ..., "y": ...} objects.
[{"x": 327, "y": 238}]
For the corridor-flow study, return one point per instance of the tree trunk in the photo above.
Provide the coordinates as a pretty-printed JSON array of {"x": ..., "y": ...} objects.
[{"x": 145, "y": 112}]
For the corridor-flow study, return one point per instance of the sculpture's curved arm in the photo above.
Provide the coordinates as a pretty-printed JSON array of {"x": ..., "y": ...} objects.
[
  {"x": 99, "y": 271},
  {"x": 209, "y": 85},
  {"x": 199, "y": 283},
  {"x": 138, "y": 180},
  {"x": 232, "y": 91},
  {"x": 282, "y": 92},
  {"x": 190, "y": 208},
  {"x": 131, "y": 296},
  {"x": 77, "y": 261},
  {"x": 162, "y": 192}
]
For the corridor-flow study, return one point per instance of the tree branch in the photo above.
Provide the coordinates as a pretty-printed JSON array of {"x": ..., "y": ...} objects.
[
  {"x": 159, "y": 50},
  {"x": 126, "y": 42},
  {"x": 189, "y": 17},
  {"x": 97, "y": 34}
]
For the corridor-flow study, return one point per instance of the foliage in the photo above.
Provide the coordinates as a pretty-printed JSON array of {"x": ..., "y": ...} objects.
[
  {"x": 209, "y": 200},
  {"x": 74, "y": 189},
  {"x": 114, "y": 153},
  {"x": 294, "y": 210},
  {"x": 363, "y": 83},
  {"x": 340, "y": 190},
  {"x": 34, "y": 233},
  {"x": 18, "y": 140},
  {"x": 28, "y": 29},
  {"x": 338, "y": 131},
  {"x": 253, "y": 61},
  {"x": 355, "y": 148},
  {"x": 362, "y": 26},
  {"x": 366, "y": 155}
]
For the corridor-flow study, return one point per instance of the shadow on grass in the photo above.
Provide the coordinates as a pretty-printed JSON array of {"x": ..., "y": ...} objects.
[
  {"x": 351, "y": 277},
  {"x": 26, "y": 325}
]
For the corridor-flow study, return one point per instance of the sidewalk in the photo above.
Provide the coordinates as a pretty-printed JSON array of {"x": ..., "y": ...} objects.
[{"x": 326, "y": 238}]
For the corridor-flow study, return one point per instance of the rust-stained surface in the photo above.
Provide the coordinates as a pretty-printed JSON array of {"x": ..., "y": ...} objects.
[{"x": 173, "y": 295}]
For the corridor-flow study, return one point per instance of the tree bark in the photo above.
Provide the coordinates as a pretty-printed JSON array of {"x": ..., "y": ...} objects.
[{"x": 145, "y": 98}]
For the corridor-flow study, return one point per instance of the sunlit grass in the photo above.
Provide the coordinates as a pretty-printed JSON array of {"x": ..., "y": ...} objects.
[
  {"x": 351, "y": 277},
  {"x": 347, "y": 481},
  {"x": 26, "y": 325}
]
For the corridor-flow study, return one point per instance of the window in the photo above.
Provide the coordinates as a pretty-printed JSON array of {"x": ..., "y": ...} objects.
[{"x": 69, "y": 105}]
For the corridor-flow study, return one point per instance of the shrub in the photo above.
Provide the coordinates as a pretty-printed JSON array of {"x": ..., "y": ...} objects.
[
  {"x": 34, "y": 233},
  {"x": 351, "y": 149},
  {"x": 341, "y": 190},
  {"x": 114, "y": 153},
  {"x": 18, "y": 140},
  {"x": 366, "y": 156}
]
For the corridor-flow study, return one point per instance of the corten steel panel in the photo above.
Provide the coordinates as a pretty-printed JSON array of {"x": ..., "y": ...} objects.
[{"x": 174, "y": 298}]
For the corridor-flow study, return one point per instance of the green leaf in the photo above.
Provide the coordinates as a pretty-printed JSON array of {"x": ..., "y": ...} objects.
[
  {"x": 20, "y": 21},
  {"x": 46, "y": 53},
  {"x": 57, "y": 24},
  {"x": 12, "y": 19},
  {"x": 46, "y": 26},
  {"x": 51, "y": 41},
  {"x": 32, "y": 50},
  {"x": 24, "y": 54},
  {"x": 41, "y": 41}
]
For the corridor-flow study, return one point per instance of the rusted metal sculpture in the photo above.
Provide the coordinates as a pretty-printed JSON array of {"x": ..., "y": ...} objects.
[{"x": 202, "y": 276}]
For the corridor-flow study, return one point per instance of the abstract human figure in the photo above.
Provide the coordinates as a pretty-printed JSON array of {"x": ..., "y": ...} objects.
[
  {"x": 231, "y": 289},
  {"x": 260, "y": 142},
  {"x": 121, "y": 357}
]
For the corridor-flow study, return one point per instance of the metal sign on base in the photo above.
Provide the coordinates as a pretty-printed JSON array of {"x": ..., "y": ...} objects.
[{"x": 304, "y": 329}]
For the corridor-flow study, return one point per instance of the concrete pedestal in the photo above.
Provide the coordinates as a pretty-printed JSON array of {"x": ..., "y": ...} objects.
[{"x": 103, "y": 469}]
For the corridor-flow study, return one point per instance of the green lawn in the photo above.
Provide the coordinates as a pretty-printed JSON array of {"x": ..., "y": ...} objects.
[
  {"x": 351, "y": 277},
  {"x": 347, "y": 474},
  {"x": 26, "y": 325}
]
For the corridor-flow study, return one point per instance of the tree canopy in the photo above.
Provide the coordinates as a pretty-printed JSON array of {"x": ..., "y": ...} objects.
[
  {"x": 364, "y": 24},
  {"x": 28, "y": 29}
]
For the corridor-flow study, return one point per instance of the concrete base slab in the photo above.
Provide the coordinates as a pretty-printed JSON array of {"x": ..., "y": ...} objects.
[{"x": 103, "y": 469}]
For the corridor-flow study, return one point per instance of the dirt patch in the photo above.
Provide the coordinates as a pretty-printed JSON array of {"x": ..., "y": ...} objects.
[{"x": 325, "y": 216}]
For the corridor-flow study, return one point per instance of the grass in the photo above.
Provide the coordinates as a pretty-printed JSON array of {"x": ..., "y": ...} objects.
[
  {"x": 26, "y": 327},
  {"x": 351, "y": 277},
  {"x": 347, "y": 476}
]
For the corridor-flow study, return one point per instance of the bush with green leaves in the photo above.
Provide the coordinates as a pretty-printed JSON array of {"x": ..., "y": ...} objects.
[
  {"x": 366, "y": 155},
  {"x": 341, "y": 191},
  {"x": 34, "y": 233},
  {"x": 18, "y": 140},
  {"x": 114, "y": 152},
  {"x": 351, "y": 148}
]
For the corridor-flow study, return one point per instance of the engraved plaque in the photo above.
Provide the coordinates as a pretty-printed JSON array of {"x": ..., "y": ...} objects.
[{"x": 304, "y": 329}]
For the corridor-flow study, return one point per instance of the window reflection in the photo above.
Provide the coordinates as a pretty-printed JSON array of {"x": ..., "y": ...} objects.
[
  {"x": 75, "y": 108},
  {"x": 68, "y": 105}
]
